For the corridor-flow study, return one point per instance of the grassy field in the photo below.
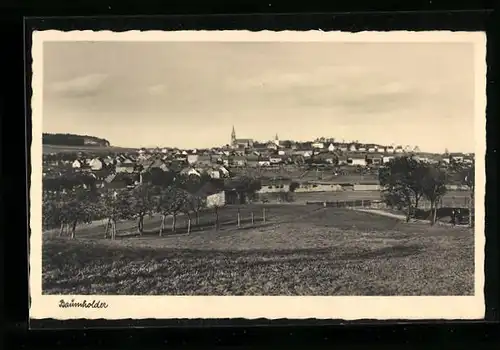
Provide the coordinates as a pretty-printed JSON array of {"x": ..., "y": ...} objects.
[
  {"x": 91, "y": 149},
  {"x": 300, "y": 250}
]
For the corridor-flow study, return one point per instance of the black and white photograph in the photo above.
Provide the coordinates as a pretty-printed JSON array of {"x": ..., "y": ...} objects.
[{"x": 257, "y": 174}]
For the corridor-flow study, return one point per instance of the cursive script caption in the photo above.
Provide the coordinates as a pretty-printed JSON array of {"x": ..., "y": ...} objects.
[{"x": 94, "y": 304}]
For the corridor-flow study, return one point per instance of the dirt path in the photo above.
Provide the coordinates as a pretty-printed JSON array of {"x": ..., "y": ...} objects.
[
  {"x": 403, "y": 217},
  {"x": 383, "y": 213}
]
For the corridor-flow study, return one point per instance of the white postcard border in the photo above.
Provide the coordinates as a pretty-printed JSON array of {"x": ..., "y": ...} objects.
[{"x": 279, "y": 307}]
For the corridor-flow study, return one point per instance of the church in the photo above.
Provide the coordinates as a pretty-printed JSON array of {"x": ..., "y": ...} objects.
[
  {"x": 240, "y": 143},
  {"x": 249, "y": 143}
]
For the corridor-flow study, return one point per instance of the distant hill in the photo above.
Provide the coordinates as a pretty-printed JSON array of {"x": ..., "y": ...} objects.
[{"x": 74, "y": 140}]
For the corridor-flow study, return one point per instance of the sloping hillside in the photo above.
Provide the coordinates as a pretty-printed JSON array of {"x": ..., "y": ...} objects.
[{"x": 74, "y": 140}]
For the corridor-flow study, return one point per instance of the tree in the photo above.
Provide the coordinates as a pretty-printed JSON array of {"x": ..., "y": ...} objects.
[
  {"x": 178, "y": 204},
  {"x": 187, "y": 208},
  {"x": 142, "y": 204},
  {"x": 53, "y": 215},
  {"x": 163, "y": 205},
  {"x": 245, "y": 187},
  {"x": 401, "y": 180},
  {"x": 115, "y": 206},
  {"x": 80, "y": 207},
  {"x": 197, "y": 203},
  {"x": 468, "y": 179},
  {"x": 434, "y": 188},
  {"x": 158, "y": 177},
  {"x": 171, "y": 201},
  {"x": 293, "y": 186}
]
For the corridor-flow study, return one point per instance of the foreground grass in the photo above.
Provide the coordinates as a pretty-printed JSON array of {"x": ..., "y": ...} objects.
[{"x": 332, "y": 252}]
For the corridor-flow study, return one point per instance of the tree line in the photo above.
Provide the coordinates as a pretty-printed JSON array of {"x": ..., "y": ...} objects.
[
  {"x": 405, "y": 181},
  {"x": 71, "y": 140},
  {"x": 70, "y": 201}
]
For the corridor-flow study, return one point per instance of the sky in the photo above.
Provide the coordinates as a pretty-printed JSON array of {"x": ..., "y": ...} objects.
[{"x": 190, "y": 94}]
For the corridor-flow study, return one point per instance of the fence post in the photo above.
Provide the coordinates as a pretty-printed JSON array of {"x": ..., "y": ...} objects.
[
  {"x": 239, "y": 218},
  {"x": 362, "y": 203},
  {"x": 263, "y": 214},
  {"x": 252, "y": 218}
]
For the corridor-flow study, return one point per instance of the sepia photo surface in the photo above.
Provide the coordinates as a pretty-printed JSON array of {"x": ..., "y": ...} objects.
[{"x": 240, "y": 174}]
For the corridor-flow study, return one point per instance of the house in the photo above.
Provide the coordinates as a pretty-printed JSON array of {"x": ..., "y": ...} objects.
[
  {"x": 224, "y": 171},
  {"x": 224, "y": 160},
  {"x": 372, "y": 149},
  {"x": 353, "y": 148},
  {"x": 108, "y": 161},
  {"x": 318, "y": 145},
  {"x": 125, "y": 168},
  {"x": 343, "y": 147},
  {"x": 263, "y": 162},
  {"x": 213, "y": 195},
  {"x": 77, "y": 164},
  {"x": 118, "y": 181},
  {"x": 281, "y": 152},
  {"x": 214, "y": 173},
  {"x": 101, "y": 175},
  {"x": 238, "y": 161},
  {"x": 190, "y": 171},
  {"x": 356, "y": 161},
  {"x": 331, "y": 148},
  {"x": 389, "y": 149},
  {"x": 308, "y": 154},
  {"x": 96, "y": 164},
  {"x": 374, "y": 159},
  {"x": 399, "y": 149},
  {"x": 326, "y": 157},
  {"x": 457, "y": 157},
  {"x": 362, "y": 149},
  {"x": 342, "y": 160},
  {"x": 252, "y": 161},
  {"x": 192, "y": 158},
  {"x": 275, "y": 159},
  {"x": 158, "y": 164}
]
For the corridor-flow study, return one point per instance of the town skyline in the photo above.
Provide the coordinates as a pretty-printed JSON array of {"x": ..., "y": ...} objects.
[{"x": 168, "y": 94}]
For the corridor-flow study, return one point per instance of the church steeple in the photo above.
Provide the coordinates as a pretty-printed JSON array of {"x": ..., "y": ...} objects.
[
  {"x": 233, "y": 136},
  {"x": 277, "y": 140}
]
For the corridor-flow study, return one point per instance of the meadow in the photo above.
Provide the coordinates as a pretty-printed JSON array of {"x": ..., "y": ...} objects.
[
  {"x": 298, "y": 250},
  {"x": 47, "y": 149}
]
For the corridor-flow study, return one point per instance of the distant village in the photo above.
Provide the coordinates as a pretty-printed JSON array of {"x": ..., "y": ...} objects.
[{"x": 119, "y": 169}]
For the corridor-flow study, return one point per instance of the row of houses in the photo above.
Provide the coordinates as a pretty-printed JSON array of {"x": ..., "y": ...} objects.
[{"x": 218, "y": 165}]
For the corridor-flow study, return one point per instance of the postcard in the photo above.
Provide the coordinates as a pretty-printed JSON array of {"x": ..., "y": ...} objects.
[{"x": 238, "y": 174}]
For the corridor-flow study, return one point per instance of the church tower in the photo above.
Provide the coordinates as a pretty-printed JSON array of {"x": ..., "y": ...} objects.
[
  {"x": 233, "y": 137},
  {"x": 277, "y": 140}
]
